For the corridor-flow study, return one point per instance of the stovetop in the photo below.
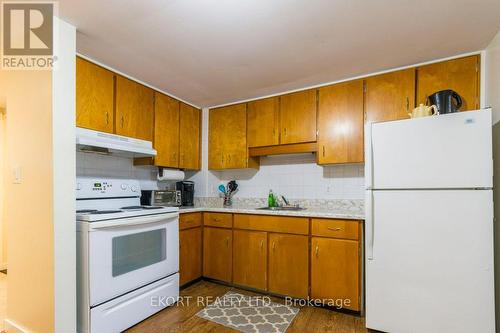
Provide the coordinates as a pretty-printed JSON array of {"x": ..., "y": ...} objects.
[{"x": 92, "y": 215}]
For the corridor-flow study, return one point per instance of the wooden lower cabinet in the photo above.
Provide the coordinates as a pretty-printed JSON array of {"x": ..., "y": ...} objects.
[
  {"x": 335, "y": 272},
  {"x": 250, "y": 259},
  {"x": 190, "y": 254},
  {"x": 288, "y": 265},
  {"x": 217, "y": 253}
]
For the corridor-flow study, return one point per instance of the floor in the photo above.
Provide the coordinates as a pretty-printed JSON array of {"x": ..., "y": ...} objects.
[
  {"x": 3, "y": 298},
  {"x": 182, "y": 318}
]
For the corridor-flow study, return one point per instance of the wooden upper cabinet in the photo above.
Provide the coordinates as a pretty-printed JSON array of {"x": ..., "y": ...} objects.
[
  {"x": 460, "y": 75},
  {"x": 250, "y": 259},
  {"x": 298, "y": 117},
  {"x": 390, "y": 96},
  {"x": 263, "y": 122},
  {"x": 189, "y": 144},
  {"x": 227, "y": 138},
  {"x": 289, "y": 265},
  {"x": 335, "y": 273},
  {"x": 94, "y": 96},
  {"x": 340, "y": 121},
  {"x": 166, "y": 138},
  {"x": 134, "y": 112},
  {"x": 217, "y": 253}
]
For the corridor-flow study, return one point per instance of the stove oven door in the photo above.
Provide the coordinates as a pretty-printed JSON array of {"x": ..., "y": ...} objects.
[{"x": 127, "y": 254}]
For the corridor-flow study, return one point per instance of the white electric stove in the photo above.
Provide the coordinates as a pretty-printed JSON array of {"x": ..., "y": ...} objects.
[{"x": 128, "y": 255}]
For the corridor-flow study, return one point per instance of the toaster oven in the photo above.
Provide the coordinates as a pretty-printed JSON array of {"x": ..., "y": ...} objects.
[{"x": 161, "y": 198}]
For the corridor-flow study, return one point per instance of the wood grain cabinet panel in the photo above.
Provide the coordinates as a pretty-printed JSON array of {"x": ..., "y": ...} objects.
[
  {"x": 222, "y": 220},
  {"x": 250, "y": 259},
  {"x": 134, "y": 112},
  {"x": 335, "y": 271},
  {"x": 227, "y": 143},
  {"x": 217, "y": 253},
  {"x": 94, "y": 96},
  {"x": 390, "y": 96},
  {"x": 460, "y": 75},
  {"x": 347, "y": 229},
  {"x": 190, "y": 255},
  {"x": 282, "y": 224},
  {"x": 288, "y": 265},
  {"x": 340, "y": 121},
  {"x": 263, "y": 122},
  {"x": 166, "y": 134},
  {"x": 189, "y": 144},
  {"x": 298, "y": 117},
  {"x": 189, "y": 220}
]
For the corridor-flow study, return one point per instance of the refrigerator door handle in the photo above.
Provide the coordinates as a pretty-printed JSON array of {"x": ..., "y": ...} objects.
[
  {"x": 368, "y": 157},
  {"x": 369, "y": 225}
]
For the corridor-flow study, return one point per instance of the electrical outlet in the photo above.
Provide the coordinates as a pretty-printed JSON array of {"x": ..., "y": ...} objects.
[
  {"x": 18, "y": 175},
  {"x": 329, "y": 189}
]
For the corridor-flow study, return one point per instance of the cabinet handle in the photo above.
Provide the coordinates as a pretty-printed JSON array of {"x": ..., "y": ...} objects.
[
  {"x": 284, "y": 131},
  {"x": 407, "y": 104},
  {"x": 261, "y": 244},
  {"x": 317, "y": 251},
  {"x": 222, "y": 159},
  {"x": 227, "y": 242},
  {"x": 229, "y": 158},
  {"x": 216, "y": 219},
  {"x": 274, "y": 246},
  {"x": 107, "y": 118},
  {"x": 334, "y": 229},
  {"x": 122, "y": 120},
  {"x": 323, "y": 150}
]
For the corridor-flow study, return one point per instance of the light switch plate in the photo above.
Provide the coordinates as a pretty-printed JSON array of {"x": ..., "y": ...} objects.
[{"x": 18, "y": 175}]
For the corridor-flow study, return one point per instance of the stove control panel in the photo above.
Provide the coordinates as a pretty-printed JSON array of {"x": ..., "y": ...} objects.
[{"x": 88, "y": 188}]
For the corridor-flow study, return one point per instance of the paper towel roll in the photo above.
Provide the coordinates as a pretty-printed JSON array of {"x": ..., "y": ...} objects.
[{"x": 170, "y": 174}]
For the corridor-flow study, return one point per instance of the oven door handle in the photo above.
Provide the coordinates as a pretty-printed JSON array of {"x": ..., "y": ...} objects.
[{"x": 133, "y": 221}]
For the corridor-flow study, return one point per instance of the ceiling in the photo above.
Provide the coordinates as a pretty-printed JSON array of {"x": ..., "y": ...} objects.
[{"x": 211, "y": 52}]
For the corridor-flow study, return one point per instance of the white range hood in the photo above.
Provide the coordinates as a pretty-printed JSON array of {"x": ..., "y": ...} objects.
[{"x": 111, "y": 144}]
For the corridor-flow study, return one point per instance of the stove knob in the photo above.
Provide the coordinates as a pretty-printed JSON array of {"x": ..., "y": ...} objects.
[
  {"x": 124, "y": 187},
  {"x": 134, "y": 189}
]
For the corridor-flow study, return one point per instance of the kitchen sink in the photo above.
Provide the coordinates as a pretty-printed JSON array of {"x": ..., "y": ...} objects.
[{"x": 287, "y": 208}]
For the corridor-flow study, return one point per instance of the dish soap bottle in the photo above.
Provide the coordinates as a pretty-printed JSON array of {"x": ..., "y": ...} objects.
[{"x": 271, "y": 201}]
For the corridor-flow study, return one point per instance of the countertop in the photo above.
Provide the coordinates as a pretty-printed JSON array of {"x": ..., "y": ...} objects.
[{"x": 308, "y": 212}]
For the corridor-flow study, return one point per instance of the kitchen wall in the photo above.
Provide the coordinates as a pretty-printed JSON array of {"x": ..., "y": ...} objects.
[
  {"x": 492, "y": 64},
  {"x": 294, "y": 176}
]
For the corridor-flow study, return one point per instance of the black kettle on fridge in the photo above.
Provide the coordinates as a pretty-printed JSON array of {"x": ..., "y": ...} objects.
[{"x": 446, "y": 101}]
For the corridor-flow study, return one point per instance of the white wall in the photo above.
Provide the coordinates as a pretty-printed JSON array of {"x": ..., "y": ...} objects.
[
  {"x": 63, "y": 138},
  {"x": 492, "y": 79}
]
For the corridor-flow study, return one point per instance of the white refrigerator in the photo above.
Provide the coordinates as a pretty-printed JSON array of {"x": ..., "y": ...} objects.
[{"x": 429, "y": 224}]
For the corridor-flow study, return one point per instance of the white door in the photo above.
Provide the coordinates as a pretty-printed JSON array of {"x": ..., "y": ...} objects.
[
  {"x": 429, "y": 264},
  {"x": 446, "y": 151},
  {"x": 128, "y": 254}
]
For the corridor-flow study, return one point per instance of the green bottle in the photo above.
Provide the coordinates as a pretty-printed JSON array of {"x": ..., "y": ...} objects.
[{"x": 271, "y": 201}]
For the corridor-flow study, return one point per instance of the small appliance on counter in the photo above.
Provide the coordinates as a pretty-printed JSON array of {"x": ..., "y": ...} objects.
[
  {"x": 446, "y": 101},
  {"x": 169, "y": 198},
  {"x": 187, "y": 192}
]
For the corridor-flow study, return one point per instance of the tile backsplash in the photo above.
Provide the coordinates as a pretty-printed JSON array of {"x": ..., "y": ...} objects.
[{"x": 295, "y": 177}]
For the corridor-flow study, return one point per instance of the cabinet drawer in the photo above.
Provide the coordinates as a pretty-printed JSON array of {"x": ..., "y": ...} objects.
[
  {"x": 189, "y": 220},
  {"x": 347, "y": 229},
  {"x": 284, "y": 224},
  {"x": 218, "y": 220}
]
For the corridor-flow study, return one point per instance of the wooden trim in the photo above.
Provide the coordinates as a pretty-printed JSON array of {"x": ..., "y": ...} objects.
[{"x": 308, "y": 147}]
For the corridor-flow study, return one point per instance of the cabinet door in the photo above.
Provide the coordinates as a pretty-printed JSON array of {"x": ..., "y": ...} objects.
[
  {"x": 189, "y": 147},
  {"x": 217, "y": 253},
  {"x": 134, "y": 109},
  {"x": 166, "y": 138},
  {"x": 335, "y": 271},
  {"x": 341, "y": 123},
  {"x": 227, "y": 147},
  {"x": 263, "y": 122},
  {"x": 298, "y": 117},
  {"x": 189, "y": 255},
  {"x": 250, "y": 259},
  {"x": 94, "y": 96},
  {"x": 288, "y": 265},
  {"x": 390, "y": 96},
  {"x": 460, "y": 75}
]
